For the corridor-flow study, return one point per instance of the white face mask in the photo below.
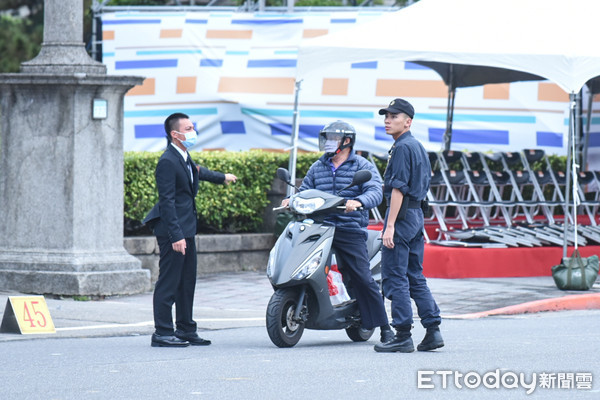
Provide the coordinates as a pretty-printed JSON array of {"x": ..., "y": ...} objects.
[{"x": 331, "y": 146}]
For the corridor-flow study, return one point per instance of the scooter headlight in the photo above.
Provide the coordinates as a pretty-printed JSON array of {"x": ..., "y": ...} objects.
[
  {"x": 271, "y": 263},
  {"x": 307, "y": 206},
  {"x": 310, "y": 265}
]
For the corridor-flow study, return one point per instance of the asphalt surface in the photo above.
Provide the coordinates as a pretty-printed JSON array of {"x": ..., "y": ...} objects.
[{"x": 236, "y": 300}]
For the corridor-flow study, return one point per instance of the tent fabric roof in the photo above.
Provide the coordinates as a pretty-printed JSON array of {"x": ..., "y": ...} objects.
[{"x": 554, "y": 39}]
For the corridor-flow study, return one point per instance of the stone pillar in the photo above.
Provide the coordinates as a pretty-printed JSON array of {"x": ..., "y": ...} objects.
[
  {"x": 63, "y": 50},
  {"x": 61, "y": 170}
]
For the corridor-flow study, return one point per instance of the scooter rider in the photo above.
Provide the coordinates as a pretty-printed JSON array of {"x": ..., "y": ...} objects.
[
  {"x": 406, "y": 182},
  {"x": 332, "y": 172}
]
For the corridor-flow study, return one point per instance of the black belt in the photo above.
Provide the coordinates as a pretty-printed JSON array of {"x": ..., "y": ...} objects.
[
  {"x": 410, "y": 203},
  {"x": 414, "y": 203}
]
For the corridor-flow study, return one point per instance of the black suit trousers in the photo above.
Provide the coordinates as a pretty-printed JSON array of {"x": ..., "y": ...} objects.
[{"x": 175, "y": 285}]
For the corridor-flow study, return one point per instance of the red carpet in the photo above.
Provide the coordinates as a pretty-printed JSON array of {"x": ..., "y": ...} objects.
[
  {"x": 452, "y": 262},
  {"x": 460, "y": 262}
]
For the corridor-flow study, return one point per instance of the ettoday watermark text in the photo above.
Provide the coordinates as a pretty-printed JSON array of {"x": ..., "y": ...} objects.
[{"x": 497, "y": 379}]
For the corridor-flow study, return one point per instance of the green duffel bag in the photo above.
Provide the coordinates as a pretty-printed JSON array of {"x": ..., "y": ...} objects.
[{"x": 576, "y": 272}]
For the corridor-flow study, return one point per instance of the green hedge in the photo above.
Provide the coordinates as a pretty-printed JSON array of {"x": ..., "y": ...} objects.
[{"x": 230, "y": 208}]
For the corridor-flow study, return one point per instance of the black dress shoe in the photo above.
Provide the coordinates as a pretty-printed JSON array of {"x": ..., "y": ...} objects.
[
  {"x": 193, "y": 339},
  {"x": 168, "y": 341}
]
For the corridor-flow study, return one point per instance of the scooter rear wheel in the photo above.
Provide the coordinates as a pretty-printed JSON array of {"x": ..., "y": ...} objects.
[
  {"x": 359, "y": 334},
  {"x": 283, "y": 330}
]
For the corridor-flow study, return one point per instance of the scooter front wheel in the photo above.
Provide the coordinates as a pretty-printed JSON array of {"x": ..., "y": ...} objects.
[
  {"x": 359, "y": 334},
  {"x": 283, "y": 330}
]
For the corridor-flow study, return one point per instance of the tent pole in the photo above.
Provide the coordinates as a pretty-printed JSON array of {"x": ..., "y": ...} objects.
[
  {"x": 578, "y": 139},
  {"x": 568, "y": 169},
  {"x": 449, "y": 119},
  {"x": 294, "y": 144},
  {"x": 447, "y": 139},
  {"x": 588, "y": 123},
  {"x": 576, "y": 162}
]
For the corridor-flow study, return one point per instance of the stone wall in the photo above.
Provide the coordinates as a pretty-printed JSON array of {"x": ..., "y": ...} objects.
[{"x": 216, "y": 253}]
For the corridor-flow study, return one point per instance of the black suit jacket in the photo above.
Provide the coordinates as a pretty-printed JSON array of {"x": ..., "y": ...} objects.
[{"x": 174, "y": 216}]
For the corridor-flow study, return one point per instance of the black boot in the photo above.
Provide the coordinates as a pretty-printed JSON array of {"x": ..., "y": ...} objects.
[
  {"x": 386, "y": 334},
  {"x": 432, "y": 340},
  {"x": 402, "y": 342}
]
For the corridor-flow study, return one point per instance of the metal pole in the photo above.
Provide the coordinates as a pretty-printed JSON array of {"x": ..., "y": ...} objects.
[
  {"x": 576, "y": 162},
  {"x": 294, "y": 145},
  {"x": 578, "y": 127},
  {"x": 93, "y": 39},
  {"x": 588, "y": 123},
  {"x": 568, "y": 169},
  {"x": 447, "y": 139},
  {"x": 97, "y": 6}
]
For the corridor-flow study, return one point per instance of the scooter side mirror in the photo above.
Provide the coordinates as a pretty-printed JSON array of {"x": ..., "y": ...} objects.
[
  {"x": 359, "y": 178},
  {"x": 284, "y": 175}
]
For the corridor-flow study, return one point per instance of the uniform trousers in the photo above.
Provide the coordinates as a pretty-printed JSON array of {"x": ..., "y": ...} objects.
[
  {"x": 351, "y": 252},
  {"x": 175, "y": 285},
  {"x": 402, "y": 274}
]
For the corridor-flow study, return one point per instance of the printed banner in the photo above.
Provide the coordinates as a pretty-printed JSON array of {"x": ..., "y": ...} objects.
[{"x": 235, "y": 75}]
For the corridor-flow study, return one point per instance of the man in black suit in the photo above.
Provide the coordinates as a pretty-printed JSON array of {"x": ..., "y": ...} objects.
[{"x": 173, "y": 220}]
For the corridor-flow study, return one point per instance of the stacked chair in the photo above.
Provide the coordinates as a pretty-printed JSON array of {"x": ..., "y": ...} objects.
[{"x": 518, "y": 201}]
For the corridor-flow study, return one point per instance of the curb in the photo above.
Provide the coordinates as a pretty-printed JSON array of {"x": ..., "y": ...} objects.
[{"x": 572, "y": 302}]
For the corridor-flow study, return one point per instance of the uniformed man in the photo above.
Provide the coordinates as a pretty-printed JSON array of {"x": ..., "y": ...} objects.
[{"x": 406, "y": 182}]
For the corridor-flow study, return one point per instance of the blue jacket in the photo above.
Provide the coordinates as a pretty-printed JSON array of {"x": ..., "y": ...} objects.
[{"x": 320, "y": 176}]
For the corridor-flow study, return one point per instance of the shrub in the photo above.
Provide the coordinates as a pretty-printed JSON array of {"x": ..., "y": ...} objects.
[{"x": 230, "y": 208}]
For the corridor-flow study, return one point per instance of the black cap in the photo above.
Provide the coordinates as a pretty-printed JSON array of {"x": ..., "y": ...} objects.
[{"x": 398, "y": 106}]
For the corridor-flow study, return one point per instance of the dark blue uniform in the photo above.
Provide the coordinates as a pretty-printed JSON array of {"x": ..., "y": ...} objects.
[{"x": 409, "y": 171}]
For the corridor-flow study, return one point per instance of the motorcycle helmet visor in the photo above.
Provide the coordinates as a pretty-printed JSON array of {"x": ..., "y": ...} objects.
[{"x": 330, "y": 141}]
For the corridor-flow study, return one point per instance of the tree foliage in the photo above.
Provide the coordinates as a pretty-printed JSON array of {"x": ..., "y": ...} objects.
[
  {"x": 21, "y": 32},
  {"x": 20, "y": 40}
]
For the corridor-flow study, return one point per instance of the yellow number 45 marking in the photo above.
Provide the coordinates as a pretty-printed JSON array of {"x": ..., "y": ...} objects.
[{"x": 27, "y": 314}]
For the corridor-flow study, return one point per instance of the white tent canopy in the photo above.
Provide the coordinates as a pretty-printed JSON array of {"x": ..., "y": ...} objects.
[{"x": 554, "y": 39}]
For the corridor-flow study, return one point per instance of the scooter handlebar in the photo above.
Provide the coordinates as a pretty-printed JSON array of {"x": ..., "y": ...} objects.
[{"x": 344, "y": 207}]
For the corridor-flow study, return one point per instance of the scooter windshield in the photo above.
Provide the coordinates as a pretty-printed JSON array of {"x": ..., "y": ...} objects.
[{"x": 307, "y": 206}]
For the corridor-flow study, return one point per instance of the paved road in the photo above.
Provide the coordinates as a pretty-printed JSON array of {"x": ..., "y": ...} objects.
[
  {"x": 240, "y": 300},
  {"x": 243, "y": 364}
]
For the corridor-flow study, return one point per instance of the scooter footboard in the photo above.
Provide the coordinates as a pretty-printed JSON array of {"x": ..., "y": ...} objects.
[
  {"x": 322, "y": 315},
  {"x": 342, "y": 317}
]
